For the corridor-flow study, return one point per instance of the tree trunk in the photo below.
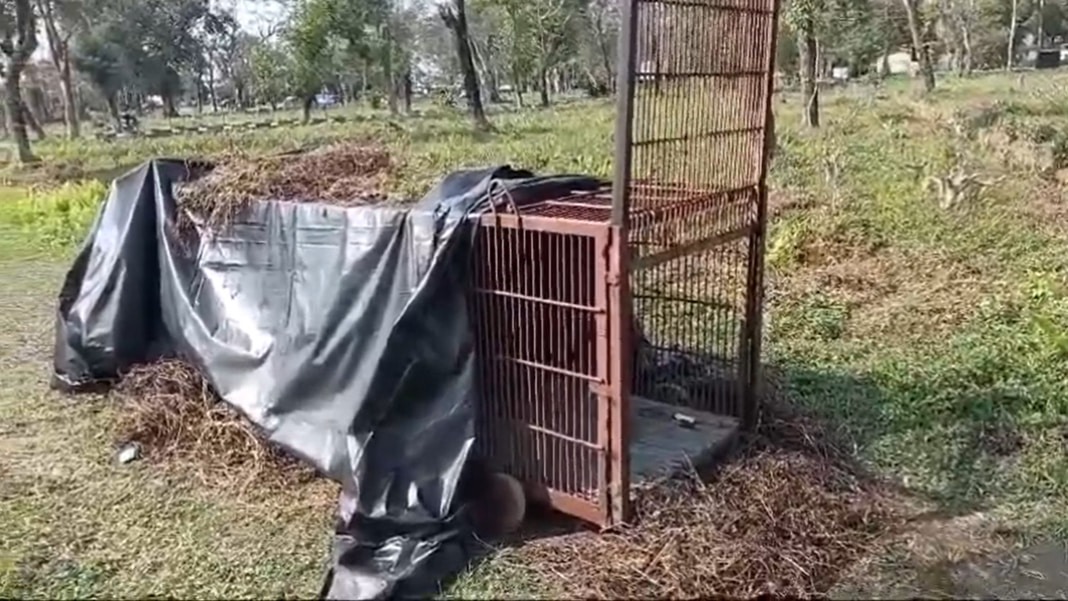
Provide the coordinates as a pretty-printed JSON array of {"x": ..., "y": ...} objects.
[
  {"x": 70, "y": 105},
  {"x": 606, "y": 57},
  {"x": 113, "y": 109},
  {"x": 810, "y": 91},
  {"x": 307, "y": 107},
  {"x": 391, "y": 80},
  {"x": 966, "y": 43},
  {"x": 32, "y": 121},
  {"x": 211, "y": 89},
  {"x": 456, "y": 19},
  {"x": 922, "y": 56},
  {"x": 1012, "y": 38},
  {"x": 1041, "y": 27},
  {"x": 16, "y": 116},
  {"x": 408, "y": 91},
  {"x": 488, "y": 76},
  {"x": 884, "y": 65},
  {"x": 544, "y": 87},
  {"x": 966, "y": 22},
  {"x": 169, "y": 109}
]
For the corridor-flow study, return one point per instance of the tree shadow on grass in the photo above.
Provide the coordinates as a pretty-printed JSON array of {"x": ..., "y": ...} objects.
[{"x": 949, "y": 460}]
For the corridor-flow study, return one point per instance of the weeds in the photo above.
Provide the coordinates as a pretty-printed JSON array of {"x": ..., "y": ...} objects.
[
  {"x": 932, "y": 341},
  {"x": 55, "y": 219}
]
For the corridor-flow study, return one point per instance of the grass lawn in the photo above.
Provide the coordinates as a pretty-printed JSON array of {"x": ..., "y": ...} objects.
[{"x": 931, "y": 336}]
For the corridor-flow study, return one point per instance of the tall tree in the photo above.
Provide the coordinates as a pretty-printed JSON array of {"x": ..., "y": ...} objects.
[
  {"x": 917, "y": 31},
  {"x": 803, "y": 17},
  {"x": 309, "y": 41},
  {"x": 1012, "y": 36},
  {"x": 97, "y": 54},
  {"x": 62, "y": 19},
  {"x": 18, "y": 40},
  {"x": 554, "y": 24},
  {"x": 269, "y": 76},
  {"x": 454, "y": 14},
  {"x": 603, "y": 22}
]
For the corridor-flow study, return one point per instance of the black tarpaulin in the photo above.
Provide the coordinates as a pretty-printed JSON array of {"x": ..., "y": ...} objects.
[{"x": 342, "y": 332}]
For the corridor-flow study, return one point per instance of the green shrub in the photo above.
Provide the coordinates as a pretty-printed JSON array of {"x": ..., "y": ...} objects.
[{"x": 54, "y": 218}]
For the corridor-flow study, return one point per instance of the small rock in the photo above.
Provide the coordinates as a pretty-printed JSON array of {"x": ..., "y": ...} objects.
[{"x": 129, "y": 453}]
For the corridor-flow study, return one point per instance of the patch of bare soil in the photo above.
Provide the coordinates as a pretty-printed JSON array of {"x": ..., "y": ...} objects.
[
  {"x": 345, "y": 174},
  {"x": 785, "y": 518},
  {"x": 929, "y": 559}
]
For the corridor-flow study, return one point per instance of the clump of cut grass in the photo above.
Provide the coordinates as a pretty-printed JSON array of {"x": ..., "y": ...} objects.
[
  {"x": 347, "y": 174},
  {"x": 785, "y": 518},
  {"x": 176, "y": 417}
]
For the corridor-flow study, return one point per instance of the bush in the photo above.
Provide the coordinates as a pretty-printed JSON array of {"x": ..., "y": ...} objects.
[{"x": 55, "y": 218}]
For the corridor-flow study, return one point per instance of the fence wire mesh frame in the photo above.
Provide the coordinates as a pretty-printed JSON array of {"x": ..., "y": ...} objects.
[
  {"x": 694, "y": 107},
  {"x": 650, "y": 286},
  {"x": 542, "y": 314}
]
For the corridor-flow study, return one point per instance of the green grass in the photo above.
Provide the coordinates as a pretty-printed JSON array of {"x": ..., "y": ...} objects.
[{"x": 934, "y": 341}]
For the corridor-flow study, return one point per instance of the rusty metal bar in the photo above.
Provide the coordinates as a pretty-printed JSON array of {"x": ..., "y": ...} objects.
[
  {"x": 620, "y": 343},
  {"x": 677, "y": 252},
  {"x": 653, "y": 286},
  {"x": 758, "y": 246},
  {"x": 626, "y": 74}
]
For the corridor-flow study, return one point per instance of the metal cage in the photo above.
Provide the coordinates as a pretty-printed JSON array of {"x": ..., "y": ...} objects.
[{"x": 597, "y": 314}]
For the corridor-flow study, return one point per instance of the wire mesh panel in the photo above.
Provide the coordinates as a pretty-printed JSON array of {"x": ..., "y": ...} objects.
[
  {"x": 690, "y": 192},
  {"x": 540, "y": 313}
]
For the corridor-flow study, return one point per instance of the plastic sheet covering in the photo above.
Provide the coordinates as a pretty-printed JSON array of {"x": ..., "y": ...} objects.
[{"x": 342, "y": 332}]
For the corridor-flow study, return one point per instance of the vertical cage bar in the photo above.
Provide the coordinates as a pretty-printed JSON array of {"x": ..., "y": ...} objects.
[
  {"x": 755, "y": 318},
  {"x": 625, "y": 76},
  {"x": 618, "y": 370}
]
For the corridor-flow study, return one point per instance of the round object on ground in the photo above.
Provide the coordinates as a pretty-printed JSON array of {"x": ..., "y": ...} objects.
[{"x": 501, "y": 506}]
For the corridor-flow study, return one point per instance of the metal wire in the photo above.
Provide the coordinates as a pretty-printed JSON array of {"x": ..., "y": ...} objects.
[
  {"x": 538, "y": 305},
  {"x": 651, "y": 288},
  {"x": 697, "y": 147}
]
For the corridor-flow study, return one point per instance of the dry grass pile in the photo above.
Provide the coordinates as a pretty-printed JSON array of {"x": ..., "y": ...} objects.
[
  {"x": 346, "y": 174},
  {"x": 175, "y": 416},
  {"x": 785, "y": 519}
]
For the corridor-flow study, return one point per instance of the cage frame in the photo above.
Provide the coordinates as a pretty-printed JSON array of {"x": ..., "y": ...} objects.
[{"x": 618, "y": 263}]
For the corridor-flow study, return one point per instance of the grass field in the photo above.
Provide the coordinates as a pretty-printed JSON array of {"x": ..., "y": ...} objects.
[{"x": 931, "y": 336}]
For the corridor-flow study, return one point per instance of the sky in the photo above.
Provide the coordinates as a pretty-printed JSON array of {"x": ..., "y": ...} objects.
[{"x": 256, "y": 15}]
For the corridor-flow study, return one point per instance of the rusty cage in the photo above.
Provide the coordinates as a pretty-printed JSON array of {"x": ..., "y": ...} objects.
[{"x": 618, "y": 331}]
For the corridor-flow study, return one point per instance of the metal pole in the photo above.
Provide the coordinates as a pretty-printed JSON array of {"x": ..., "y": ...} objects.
[{"x": 625, "y": 88}]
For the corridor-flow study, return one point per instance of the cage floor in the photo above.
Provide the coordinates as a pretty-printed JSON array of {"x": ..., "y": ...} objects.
[{"x": 662, "y": 445}]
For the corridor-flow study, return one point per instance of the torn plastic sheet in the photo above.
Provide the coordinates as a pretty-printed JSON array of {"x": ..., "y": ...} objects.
[{"x": 342, "y": 332}]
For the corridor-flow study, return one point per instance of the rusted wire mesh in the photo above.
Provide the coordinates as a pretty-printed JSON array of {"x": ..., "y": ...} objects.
[
  {"x": 176, "y": 417},
  {"x": 693, "y": 202},
  {"x": 538, "y": 305}
]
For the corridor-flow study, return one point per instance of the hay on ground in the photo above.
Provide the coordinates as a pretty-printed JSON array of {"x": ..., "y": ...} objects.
[
  {"x": 172, "y": 412},
  {"x": 345, "y": 174},
  {"x": 784, "y": 519}
]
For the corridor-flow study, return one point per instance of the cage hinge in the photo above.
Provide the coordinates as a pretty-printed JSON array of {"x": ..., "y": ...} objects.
[{"x": 611, "y": 268}]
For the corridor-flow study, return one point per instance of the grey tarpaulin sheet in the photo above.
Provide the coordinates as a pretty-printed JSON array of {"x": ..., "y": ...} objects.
[{"x": 342, "y": 332}]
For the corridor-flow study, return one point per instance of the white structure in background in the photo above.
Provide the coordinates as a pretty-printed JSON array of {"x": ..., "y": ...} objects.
[
  {"x": 899, "y": 63},
  {"x": 840, "y": 73}
]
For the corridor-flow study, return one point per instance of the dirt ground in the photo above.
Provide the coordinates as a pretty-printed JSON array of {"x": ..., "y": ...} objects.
[
  {"x": 1035, "y": 572},
  {"x": 972, "y": 556}
]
